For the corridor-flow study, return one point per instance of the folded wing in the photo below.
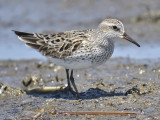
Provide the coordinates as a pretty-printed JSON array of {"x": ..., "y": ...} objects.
[{"x": 58, "y": 45}]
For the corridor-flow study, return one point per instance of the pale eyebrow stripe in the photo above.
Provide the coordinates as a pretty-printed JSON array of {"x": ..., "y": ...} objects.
[{"x": 109, "y": 24}]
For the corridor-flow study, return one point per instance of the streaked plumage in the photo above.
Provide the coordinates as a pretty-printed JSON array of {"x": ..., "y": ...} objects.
[{"x": 78, "y": 49}]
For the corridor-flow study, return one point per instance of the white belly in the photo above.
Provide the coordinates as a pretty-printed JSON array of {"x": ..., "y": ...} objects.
[
  {"x": 73, "y": 63},
  {"x": 81, "y": 62}
]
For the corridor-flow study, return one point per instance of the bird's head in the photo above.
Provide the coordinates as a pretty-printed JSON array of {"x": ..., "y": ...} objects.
[{"x": 114, "y": 29}]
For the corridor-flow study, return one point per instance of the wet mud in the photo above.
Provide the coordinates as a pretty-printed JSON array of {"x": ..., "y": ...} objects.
[{"x": 122, "y": 84}]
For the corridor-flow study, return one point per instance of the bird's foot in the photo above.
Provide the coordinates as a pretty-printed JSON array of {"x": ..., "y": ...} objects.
[{"x": 69, "y": 89}]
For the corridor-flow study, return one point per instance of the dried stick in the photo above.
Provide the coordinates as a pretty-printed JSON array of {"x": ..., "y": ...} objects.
[
  {"x": 38, "y": 114},
  {"x": 94, "y": 113},
  {"x": 46, "y": 89}
]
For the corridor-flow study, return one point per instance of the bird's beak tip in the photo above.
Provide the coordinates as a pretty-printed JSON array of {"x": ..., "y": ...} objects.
[{"x": 126, "y": 37}]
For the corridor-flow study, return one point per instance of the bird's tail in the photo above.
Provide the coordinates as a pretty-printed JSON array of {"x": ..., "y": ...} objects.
[{"x": 28, "y": 38}]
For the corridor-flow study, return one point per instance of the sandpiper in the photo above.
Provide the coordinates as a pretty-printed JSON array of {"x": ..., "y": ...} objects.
[{"x": 78, "y": 49}]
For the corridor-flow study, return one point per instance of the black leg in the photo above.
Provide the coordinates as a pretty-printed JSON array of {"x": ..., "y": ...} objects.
[
  {"x": 68, "y": 81},
  {"x": 73, "y": 83},
  {"x": 69, "y": 88}
]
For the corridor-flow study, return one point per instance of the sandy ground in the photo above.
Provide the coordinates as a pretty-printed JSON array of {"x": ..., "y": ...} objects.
[
  {"x": 122, "y": 84},
  {"x": 130, "y": 81}
]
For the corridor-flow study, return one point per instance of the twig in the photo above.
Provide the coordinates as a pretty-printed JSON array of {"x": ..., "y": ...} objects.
[
  {"x": 46, "y": 89},
  {"x": 93, "y": 113},
  {"x": 38, "y": 114}
]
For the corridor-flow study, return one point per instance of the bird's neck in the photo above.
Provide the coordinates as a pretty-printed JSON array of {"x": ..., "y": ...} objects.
[{"x": 102, "y": 38}]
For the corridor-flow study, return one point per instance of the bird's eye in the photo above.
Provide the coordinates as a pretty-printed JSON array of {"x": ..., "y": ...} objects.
[{"x": 115, "y": 28}]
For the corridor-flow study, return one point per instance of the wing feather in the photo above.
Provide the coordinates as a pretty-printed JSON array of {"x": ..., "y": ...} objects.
[{"x": 58, "y": 45}]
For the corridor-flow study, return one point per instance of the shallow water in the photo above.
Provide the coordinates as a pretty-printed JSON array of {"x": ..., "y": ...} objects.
[{"x": 144, "y": 52}]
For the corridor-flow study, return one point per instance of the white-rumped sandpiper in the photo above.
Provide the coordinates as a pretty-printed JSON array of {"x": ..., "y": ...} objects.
[{"x": 78, "y": 49}]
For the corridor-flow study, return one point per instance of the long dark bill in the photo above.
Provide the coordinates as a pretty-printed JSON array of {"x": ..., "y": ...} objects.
[{"x": 125, "y": 36}]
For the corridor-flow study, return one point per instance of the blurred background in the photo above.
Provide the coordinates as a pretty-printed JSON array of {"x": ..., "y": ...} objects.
[{"x": 141, "y": 20}]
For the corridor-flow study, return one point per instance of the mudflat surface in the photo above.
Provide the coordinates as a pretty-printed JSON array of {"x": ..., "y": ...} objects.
[{"x": 122, "y": 84}]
